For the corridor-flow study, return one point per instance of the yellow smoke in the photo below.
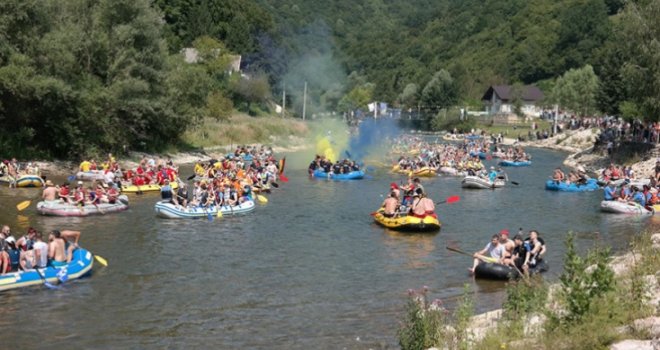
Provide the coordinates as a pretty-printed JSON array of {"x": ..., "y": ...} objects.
[{"x": 328, "y": 137}]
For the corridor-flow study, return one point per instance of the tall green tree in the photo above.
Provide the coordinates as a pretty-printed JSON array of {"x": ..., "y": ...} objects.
[
  {"x": 576, "y": 90},
  {"x": 440, "y": 92},
  {"x": 640, "y": 30}
]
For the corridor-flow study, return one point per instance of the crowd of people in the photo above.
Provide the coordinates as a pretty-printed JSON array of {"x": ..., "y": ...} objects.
[
  {"x": 343, "y": 166},
  {"x": 31, "y": 251},
  {"x": 229, "y": 180},
  {"x": 408, "y": 199},
  {"x": 521, "y": 254}
]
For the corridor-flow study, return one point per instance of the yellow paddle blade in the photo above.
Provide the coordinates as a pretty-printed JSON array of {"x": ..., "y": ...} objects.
[
  {"x": 262, "y": 199},
  {"x": 101, "y": 260},
  {"x": 22, "y": 205},
  {"x": 219, "y": 213}
]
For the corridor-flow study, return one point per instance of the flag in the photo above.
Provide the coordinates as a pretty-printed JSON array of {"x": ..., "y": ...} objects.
[
  {"x": 372, "y": 106},
  {"x": 278, "y": 109}
]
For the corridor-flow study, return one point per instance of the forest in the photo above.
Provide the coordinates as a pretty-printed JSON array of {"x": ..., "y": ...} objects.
[{"x": 80, "y": 77}]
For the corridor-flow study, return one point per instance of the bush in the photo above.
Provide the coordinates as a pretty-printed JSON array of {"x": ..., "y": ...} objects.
[
  {"x": 525, "y": 297},
  {"x": 583, "y": 281}
]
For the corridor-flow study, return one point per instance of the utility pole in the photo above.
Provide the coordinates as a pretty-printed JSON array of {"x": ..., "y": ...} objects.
[
  {"x": 283, "y": 98},
  {"x": 554, "y": 125},
  {"x": 304, "y": 100},
  {"x": 375, "y": 110}
]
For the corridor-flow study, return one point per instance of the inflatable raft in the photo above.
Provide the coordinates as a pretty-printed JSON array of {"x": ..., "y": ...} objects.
[
  {"x": 146, "y": 188},
  {"x": 617, "y": 207},
  {"x": 91, "y": 175},
  {"x": 591, "y": 185},
  {"x": 446, "y": 170},
  {"x": 499, "y": 154},
  {"x": 58, "y": 208},
  {"x": 29, "y": 181},
  {"x": 494, "y": 271},
  {"x": 423, "y": 172},
  {"x": 481, "y": 155},
  {"x": 79, "y": 266},
  {"x": 353, "y": 175},
  {"x": 515, "y": 163},
  {"x": 165, "y": 209},
  {"x": 408, "y": 223},
  {"x": 481, "y": 183}
]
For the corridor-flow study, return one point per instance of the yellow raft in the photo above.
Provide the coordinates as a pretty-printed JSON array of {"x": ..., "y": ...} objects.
[
  {"x": 423, "y": 172},
  {"x": 408, "y": 223},
  {"x": 29, "y": 181},
  {"x": 146, "y": 188}
]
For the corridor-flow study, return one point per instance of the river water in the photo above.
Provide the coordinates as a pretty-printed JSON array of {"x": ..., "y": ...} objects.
[{"x": 307, "y": 270}]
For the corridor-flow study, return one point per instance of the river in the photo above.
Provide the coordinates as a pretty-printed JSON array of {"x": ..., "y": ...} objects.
[{"x": 308, "y": 270}]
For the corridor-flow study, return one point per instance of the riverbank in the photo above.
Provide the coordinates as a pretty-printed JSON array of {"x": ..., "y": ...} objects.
[
  {"x": 211, "y": 140},
  {"x": 614, "y": 306}
]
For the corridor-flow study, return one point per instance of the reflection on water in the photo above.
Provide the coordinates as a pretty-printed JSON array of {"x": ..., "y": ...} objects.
[
  {"x": 308, "y": 270},
  {"x": 413, "y": 249}
]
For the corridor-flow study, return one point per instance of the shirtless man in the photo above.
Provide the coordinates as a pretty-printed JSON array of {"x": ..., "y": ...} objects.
[
  {"x": 50, "y": 192},
  {"x": 558, "y": 175},
  {"x": 507, "y": 246},
  {"x": 422, "y": 206},
  {"x": 390, "y": 205},
  {"x": 57, "y": 251}
]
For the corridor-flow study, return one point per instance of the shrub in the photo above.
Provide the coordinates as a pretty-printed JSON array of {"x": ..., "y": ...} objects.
[
  {"x": 583, "y": 280},
  {"x": 524, "y": 297}
]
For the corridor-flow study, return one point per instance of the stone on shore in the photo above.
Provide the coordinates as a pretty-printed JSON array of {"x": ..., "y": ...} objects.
[{"x": 633, "y": 345}]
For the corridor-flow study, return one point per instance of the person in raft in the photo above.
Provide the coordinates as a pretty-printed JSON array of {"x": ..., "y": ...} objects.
[
  {"x": 421, "y": 205},
  {"x": 492, "y": 250},
  {"x": 390, "y": 205}
]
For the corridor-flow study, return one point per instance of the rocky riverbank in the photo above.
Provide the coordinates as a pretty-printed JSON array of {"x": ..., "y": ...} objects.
[{"x": 482, "y": 325}]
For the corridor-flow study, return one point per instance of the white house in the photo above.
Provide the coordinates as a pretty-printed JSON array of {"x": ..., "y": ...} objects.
[{"x": 499, "y": 98}]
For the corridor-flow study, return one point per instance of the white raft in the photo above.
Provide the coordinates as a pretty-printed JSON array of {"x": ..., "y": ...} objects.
[
  {"x": 165, "y": 209},
  {"x": 91, "y": 175},
  {"x": 446, "y": 170},
  {"x": 59, "y": 208},
  {"x": 618, "y": 207},
  {"x": 481, "y": 183}
]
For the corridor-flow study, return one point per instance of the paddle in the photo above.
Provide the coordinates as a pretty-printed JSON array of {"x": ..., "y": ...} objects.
[
  {"x": 191, "y": 177},
  {"x": 101, "y": 260},
  {"x": 262, "y": 199},
  {"x": 275, "y": 184},
  {"x": 70, "y": 178},
  {"x": 485, "y": 258},
  {"x": 46, "y": 283},
  {"x": 450, "y": 200},
  {"x": 22, "y": 205},
  {"x": 515, "y": 183},
  {"x": 284, "y": 178}
]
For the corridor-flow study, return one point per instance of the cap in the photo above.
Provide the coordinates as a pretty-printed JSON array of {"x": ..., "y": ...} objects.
[
  {"x": 394, "y": 185},
  {"x": 10, "y": 239},
  {"x": 504, "y": 232}
]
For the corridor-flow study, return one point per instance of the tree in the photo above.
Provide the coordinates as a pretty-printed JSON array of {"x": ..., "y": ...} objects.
[
  {"x": 576, "y": 90},
  {"x": 640, "y": 30},
  {"x": 409, "y": 98},
  {"x": 440, "y": 92}
]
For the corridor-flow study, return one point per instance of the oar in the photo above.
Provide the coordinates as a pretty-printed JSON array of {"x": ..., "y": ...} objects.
[
  {"x": 450, "y": 200},
  {"x": 275, "y": 184},
  {"x": 262, "y": 199},
  {"x": 284, "y": 178},
  {"x": 22, "y": 205},
  {"x": 515, "y": 183},
  {"x": 46, "y": 283},
  {"x": 101, "y": 260},
  {"x": 191, "y": 177},
  {"x": 70, "y": 178},
  {"x": 485, "y": 258}
]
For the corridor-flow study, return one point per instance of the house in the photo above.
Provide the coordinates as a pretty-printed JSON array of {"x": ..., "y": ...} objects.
[{"x": 500, "y": 99}]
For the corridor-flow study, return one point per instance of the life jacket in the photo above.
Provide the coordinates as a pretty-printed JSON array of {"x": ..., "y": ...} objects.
[{"x": 14, "y": 257}]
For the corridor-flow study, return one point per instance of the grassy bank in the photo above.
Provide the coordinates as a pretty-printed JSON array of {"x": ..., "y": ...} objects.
[
  {"x": 598, "y": 301},
  {"x": 514, "y": 130},
  {"x": 243, "y": 129}
]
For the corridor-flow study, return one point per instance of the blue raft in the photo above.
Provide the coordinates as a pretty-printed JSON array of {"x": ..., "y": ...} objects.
[
  {"x": 514, "y": 163},
  {"x": 353, "y": 175},
  {"x": 79, "y": 266},
  {"x": 591, "y": 185},
  {"x": 482, "y": 155}
]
